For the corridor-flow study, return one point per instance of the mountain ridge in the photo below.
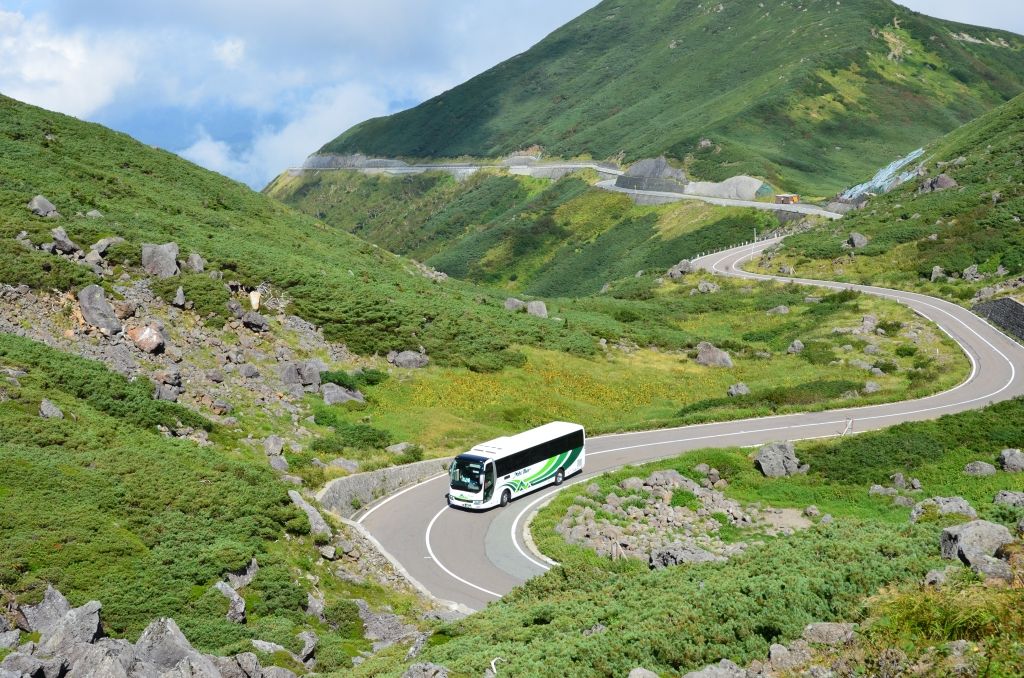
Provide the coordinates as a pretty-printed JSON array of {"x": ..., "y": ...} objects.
[{"x": 638, "y": 84}]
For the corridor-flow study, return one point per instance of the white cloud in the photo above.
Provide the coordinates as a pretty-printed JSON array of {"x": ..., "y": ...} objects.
[
  {"x": 230, "y": 52},
  {"x": 272, "y": 150},
  {"x": 69, "y": 72}
]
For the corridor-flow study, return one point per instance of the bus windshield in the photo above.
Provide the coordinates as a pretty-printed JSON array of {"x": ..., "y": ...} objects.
[{"x": 465, "y": 473}]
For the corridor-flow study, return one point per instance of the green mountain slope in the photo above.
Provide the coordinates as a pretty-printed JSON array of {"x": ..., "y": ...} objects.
[
  {"x": 565, "y": 238},
  {"x": 910, "y": 232},
  {"x": 810, "y": 95},
  {"x": 366, "y": 297}
]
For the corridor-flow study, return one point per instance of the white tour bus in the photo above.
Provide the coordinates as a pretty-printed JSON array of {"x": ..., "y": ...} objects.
[{"x": 495, "y": 472}]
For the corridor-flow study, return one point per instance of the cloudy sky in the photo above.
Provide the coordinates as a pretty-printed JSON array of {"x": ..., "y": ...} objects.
[{"x": 249, "y": 87}]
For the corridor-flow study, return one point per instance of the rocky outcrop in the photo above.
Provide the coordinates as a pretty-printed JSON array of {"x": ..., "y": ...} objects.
[
  {"x": 47, "y": 410},
  {"x": 778, "y": 460},
  {"x": 317, "y": 525},
  {"x": 97, "y": 311},
  {"x": 236, "y": 604},
  {"x": 974, "y": 543},
  {"x": 160, "y": 260},
  {"x": 679, "y": 270},
  {"x": 711, "y": 356},
  {"x": 943, "y": 506},
  {"x": 72, "y": 644},
  {"x": 537, "y": 309},
  {"x": 940, "y": 183},
  {"x": 980, "y": 469},
  {"x": 408, "y": 359},
  {"x": 857, "y": 240},
  {"x": 1011, "y": 460}
]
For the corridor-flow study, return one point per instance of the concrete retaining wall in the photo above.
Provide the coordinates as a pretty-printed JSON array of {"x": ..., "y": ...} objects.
[
  {"x": 361, "y": 489},
  {"x": 1006, "y": 313},
  {"x": 649, "y": 184}
]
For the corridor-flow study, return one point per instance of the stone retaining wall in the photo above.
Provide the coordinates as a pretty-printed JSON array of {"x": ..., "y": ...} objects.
[
  {"x": 1007, "y": 313},
  {"x": 345, "y": 496}
]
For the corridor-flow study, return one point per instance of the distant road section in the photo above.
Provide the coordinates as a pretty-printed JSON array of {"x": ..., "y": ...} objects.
[{"x": 558, "y": 170}]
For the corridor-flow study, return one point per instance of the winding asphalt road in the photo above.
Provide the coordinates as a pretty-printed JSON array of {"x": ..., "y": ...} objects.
[{"x": 471, "y": 559}]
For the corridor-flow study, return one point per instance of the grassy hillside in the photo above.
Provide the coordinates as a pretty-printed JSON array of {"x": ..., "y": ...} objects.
[
  {"x": 104, "y": 507},
  {"x": 598, "y": 617},
  {"x": 524, "y": 235},
  {"x": 976, "y": 223},
  {"x": 360, "y": 294},
  {"x": 810, "y": 95}
]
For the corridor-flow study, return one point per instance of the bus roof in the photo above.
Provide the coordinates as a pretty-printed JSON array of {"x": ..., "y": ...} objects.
[{"x": 500, "y": 447}]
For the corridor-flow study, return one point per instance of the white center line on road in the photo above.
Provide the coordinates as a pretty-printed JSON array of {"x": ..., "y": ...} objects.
[{"x": 441, "y": 565}]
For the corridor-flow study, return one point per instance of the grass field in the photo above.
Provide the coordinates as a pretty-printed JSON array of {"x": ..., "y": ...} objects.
[{"x": 447, "y": 410}]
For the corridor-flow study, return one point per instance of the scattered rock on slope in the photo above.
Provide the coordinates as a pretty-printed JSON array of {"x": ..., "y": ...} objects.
[
  {"x": 537, "y": 309},
  {"x": 335, "y": 395},
  {"x": 47, "y": 410},
  {"x": 980, "y": 469},
  {"x": 680, "y": 269},
  {"x": 943, "y": 506},
  {"x": 857, "y": 240},
  {"x": 62, "y": 243},
  {"x": 41, "y": 207},
  {"x": 97, "y": 311},
  {"x": 408, "y": 359},
  {"x": 1011, "y": 460},
  {"x": 712, "y": 356},
  {"x": 160, "y": 260},
  {"x": 737, "y": 390},
  {"x": 513, "y": 304},
  {"x": 317, "y": 524},
  {"x": 968, "y": 540},
  {"x": 147, "y": 338},
  {"x": 778, "y": 460}
]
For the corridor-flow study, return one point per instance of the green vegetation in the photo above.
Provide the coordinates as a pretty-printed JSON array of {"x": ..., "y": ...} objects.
[
  {"x": 104, "y": 507},
  {"x": 682, "y": 618},
  {"x": 636, "y": 387},
  {"x": 977, "y": 223},
  {"x": 565, "y": 238},
  {"x": 810, "y": 95},
  {"x": 361, "y": 295}
]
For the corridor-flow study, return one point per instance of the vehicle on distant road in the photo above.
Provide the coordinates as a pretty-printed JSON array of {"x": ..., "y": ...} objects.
[{"x": 496, "y": 472}]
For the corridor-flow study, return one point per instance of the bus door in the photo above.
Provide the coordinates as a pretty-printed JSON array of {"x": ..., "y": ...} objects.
[{"x": 489, "y": 481}]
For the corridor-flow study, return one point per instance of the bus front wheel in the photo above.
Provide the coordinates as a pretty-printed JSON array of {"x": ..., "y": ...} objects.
[
  {"x": 506, "y": 497},
  {"x": 560, "y": 476}
]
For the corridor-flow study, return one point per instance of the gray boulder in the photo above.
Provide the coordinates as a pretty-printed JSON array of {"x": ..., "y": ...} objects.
[
  {"x": 10, "y": 639},
  {"x": 47, "y": 410},
  {"x": 309, "y": 373},
  {"x": 871, "y": 387},
  {"x": 46, "y": 615},
  {"x": 94, "y": 214},
  {"x": 279, "y": 464},
  {"x": 243, "y": 665},
  {"x": 344, "y": 464},
  {"x": 969, "y": 540},
  {"x": 711, "y": 356},
  {"x": 737, "y": 390},
  {"x": 829, "y": 633},
  {"x": 317, "y": 524},
  {"x": 778, "y": 460},
  {"x": 940, "y": 183},
  {"x": 162, "y": 644},
  {"x": 1011, "y": 461},
  {"x": 179, "y": 298},
  {"x": 277, "y": 672},
  {"x": 679, "y": 270},
  {"x": 195, "y": 263},
  {"x": 705, "y": 287},
  {"x": 398, "y": 448},
  {"x": 255, "y": 322},
  {"x": 103, "y": 244},
  {"x": 248, "y": 371},
  {"x": 426, "y": 670},
  {"x": 273, "y": 446},
  {"x": 97, "y": 311},
  {"x": 335, "y": 395},
  {"x": 640, "y": 672},
  {"x": 538, "y": 309},
  {"x": 236, "y": 604},
  {"x": 410, "y": 360},
  {"x": 980, "y": 469},
  {"x": 80, "y": 625},
  {"x": 160, "y": 260},
  {"x": 243, "y": 578},
  {"x": 41, "y": 207},
  {"x": 779, "y": 310},
  {"x": 723, "y": 669},
  {"x": 992, "y": 568},
  {"x": 857, "y": 240},
  {"x": 513, "y": 304},
  {"x": 945, "y": 506},
  {"x": 678, "y": 554},
  {"x": 309, "y": 644},
  {"x": 62, "y": 243},
  {"x": 938, "y": 274},
  {"x": 1007, "y": 498},
  {"x": 971, "y": 274},
  {"x": 796, "y": 347}
]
